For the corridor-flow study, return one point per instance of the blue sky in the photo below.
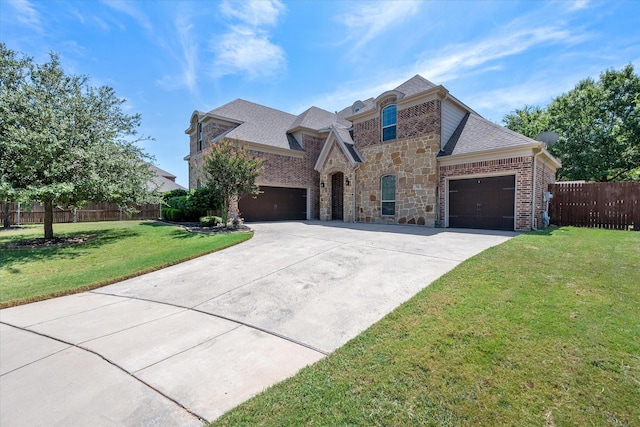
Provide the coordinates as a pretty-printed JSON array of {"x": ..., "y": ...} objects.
[{"x": 169, "y": 58}]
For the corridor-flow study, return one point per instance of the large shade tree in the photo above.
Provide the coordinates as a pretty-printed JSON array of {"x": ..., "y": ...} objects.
[
  {"x": 64, "y": 142},
  {"x": 231, "y": 172},
  {"x": 599, "y": 127}
]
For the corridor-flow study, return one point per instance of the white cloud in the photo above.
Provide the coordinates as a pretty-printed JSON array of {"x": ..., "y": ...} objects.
[
  {"x": 247, "y": 51},
  {"x": 255, "y": 12},
  {"x": 184, "y": 50},
  {"x": 27, "y": 14},
  {"x": 246, "y": 47},
  {"x": 372, "y": 19},
  {"x": 462, "y": 58},
  {"x": 128, "y": 9}
]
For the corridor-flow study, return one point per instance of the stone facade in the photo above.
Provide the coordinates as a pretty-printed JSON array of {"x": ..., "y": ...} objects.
[
  {"x": 521, "y": 167},
  {"x": 337, "y": 163},
  {"x": 414, "y": 164}
]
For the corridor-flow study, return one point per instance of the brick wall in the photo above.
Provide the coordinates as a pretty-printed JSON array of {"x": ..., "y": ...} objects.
[
  {"x": 421, "y": 119},
  {"x": 414, "y": 121},
  {"x": 520, "y": 166},
  {"x": 280, "y": 170}
]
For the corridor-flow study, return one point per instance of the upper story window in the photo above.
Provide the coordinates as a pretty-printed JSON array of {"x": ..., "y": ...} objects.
[
  {"x": 199, "y": 136},
  {"x": 388, "y": 190},
  {"x": 389, "y": 123}
]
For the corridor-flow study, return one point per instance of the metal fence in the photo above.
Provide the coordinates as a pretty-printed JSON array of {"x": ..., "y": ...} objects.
[
  {"x": 613, "y": 205},
  {"x": 20, "y": 214}
]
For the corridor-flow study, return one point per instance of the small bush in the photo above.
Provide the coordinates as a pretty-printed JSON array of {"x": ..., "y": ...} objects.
[
  {"x": 210, "y": 221},
  {"x": 171, "y": 214}
]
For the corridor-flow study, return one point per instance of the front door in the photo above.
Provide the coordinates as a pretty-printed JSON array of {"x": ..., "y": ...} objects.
[{"x": 337, "y": 195}]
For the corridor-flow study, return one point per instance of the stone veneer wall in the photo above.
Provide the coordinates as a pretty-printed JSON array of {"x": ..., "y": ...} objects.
[
  {"x": 413, "y": 162},
  {"x": 521, "y": 166},
  {"x": 336, "y": 162}
]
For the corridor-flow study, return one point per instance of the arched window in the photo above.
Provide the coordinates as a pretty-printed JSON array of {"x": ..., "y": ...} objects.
[
  {"x": 198, "y": 184},
  {"x": 388, "y": 192},
  {"x": 389, "y": 123}
]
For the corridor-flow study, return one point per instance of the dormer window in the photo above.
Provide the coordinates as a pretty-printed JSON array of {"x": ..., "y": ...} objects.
[
  {"x": 357, "y": 107},
  {"x": 389, "y": 123}
]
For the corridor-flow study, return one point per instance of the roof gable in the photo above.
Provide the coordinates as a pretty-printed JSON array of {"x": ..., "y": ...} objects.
[
  {"x": 476, "y": 134},
  {"x": 316, "y": 119},
  {"x": 260, "y": 124}
]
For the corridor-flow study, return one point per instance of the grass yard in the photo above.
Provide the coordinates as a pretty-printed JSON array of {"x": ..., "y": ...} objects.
[
  {"x": 114, "y": 251},
  {"x": 543, "y": 330}
]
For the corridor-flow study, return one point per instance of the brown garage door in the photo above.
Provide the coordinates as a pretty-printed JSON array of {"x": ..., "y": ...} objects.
[
  {"x": 275, "y": 204},
  {"x": 486, "y": 203}
]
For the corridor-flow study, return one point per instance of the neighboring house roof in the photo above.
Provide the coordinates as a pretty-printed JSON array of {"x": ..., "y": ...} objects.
[
  {"x": 260, "y": 124},
  {"x": 163, "y": 181},
  {"x": 475, "y": 134}
]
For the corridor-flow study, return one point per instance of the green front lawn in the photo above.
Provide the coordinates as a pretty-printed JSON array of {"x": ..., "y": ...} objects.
[
  {"x": 114, "y": 251},
  {"x": 543, "y": 330}
]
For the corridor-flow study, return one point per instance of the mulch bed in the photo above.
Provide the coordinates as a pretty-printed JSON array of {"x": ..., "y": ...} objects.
[
  {"x": 195, "y": 227},
  {"x": 41, "y": 242}
]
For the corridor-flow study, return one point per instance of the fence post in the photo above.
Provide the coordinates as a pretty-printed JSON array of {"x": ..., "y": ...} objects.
[
  {"x": 75, "y": 215},
  {"x": 18, "y": 213}
]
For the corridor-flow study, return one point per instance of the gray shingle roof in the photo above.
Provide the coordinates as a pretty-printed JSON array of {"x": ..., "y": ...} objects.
[
  {"x": 475, "y": 134},
  {"x": 262, "y": 125},
  {"x": 415, "y": 84},
  {"x": 316, "y": 118}
]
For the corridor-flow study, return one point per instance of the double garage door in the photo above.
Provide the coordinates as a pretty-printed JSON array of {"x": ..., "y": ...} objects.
[
  {"x": 487, "y": 203},
  {"x": 275, "y": 204}
]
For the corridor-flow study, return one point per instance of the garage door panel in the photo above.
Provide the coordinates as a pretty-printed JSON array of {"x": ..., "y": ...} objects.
[
  {"x": 275, "y": 204},
  {"x": 482, "y": 203}
]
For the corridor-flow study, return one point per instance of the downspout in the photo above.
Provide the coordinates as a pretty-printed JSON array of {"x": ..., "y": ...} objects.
[{"x": 534, "y": 220}]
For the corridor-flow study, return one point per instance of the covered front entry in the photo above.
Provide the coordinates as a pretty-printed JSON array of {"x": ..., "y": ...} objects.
[
  {"x": 337, "y": 196},
  {"x": 486, "y": 203},
  {"x": 275, "y": 204}
]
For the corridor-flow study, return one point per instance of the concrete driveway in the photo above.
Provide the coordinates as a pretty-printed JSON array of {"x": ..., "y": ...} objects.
[{"x": 183, "y": 345}]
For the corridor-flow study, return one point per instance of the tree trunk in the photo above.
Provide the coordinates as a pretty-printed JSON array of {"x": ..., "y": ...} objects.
[
  {"x": 6, "y": 224},
  {"x": 48, "y": 219}
]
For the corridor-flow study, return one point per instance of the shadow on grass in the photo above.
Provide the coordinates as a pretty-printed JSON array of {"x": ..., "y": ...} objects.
[{"x": 11, "y": 258}]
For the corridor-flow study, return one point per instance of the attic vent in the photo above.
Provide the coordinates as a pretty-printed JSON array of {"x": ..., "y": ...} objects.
[{"x": 357, "y": 106}]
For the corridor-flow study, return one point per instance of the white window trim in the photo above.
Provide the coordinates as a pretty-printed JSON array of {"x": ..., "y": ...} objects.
[
  {"x": 383, "y": 200},
  {"x": 395, "y": 122}
]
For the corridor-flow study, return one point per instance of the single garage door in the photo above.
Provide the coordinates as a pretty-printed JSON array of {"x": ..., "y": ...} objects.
[
  {"x": 275, "y": 204},
  {"x": 486, "y": 203}
]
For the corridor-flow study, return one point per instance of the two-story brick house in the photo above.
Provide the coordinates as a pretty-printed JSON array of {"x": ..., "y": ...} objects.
[{"x": 412, "y": 155}]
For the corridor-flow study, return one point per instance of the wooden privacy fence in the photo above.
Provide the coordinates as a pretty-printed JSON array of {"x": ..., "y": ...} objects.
[
  {"x": 34, "y": 213},
  {"x": 614, "y": 205}
]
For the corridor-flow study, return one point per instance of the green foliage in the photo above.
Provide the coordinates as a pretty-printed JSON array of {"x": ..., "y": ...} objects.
[
  {"x": 210, "y": 221},
  {"x": 173, "y": 193},
  {"x": 529, "y": 121},
  {"x": 599, "y": 127},
  {"x": 191, "y": 204},
  {"x": 231, "y": 172},
  {"x": 63, "y": 142},
  {"x": 172, "y": 214},
  {"x": 204, "y": 199}
]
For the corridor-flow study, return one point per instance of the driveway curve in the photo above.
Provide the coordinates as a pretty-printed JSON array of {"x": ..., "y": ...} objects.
[{"x": 185, "y": 344}]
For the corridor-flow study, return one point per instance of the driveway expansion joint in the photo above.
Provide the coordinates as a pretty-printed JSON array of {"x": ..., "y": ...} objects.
[{"x": 110, "y": 362}]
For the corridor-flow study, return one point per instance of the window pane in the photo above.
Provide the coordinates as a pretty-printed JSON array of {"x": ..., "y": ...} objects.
[
  {"x": 388, "y": 133},
  {"x": 388, "y": 208},
  {"x": 389, "y": 116},
  {"x": 389, "y": 187}
]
